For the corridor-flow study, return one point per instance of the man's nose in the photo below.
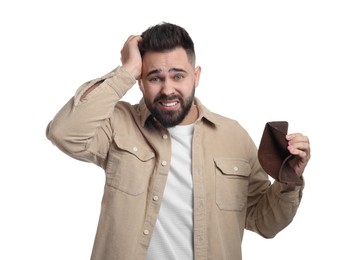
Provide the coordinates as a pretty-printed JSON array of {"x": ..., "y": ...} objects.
[{"x": 167, "y": 88}]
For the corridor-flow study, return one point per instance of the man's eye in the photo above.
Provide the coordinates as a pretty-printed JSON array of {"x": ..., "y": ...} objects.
[
  {"x": 154, "y": 79},
  {"x": 178, "y": 77}
]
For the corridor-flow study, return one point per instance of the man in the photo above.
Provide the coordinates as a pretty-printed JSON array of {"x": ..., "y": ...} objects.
[{"x": 181, "y": 181}]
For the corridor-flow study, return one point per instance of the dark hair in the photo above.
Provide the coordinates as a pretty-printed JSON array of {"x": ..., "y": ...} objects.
[{"x": 165, "y": 37}]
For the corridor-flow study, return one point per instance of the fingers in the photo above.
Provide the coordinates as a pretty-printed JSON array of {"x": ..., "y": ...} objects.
[
  {"x": 298, "y": 144},
  {"x": 133, "y": 38},
  {"x": 130, "y": 46},
  {"x": 130, "y": 55}
]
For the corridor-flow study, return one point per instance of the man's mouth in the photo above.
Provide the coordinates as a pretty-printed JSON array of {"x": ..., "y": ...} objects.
[{"x": 169, "y": 104}]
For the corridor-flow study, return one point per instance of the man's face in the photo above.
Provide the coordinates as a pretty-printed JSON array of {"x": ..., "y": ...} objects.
[{"x": 168, "y": 84}]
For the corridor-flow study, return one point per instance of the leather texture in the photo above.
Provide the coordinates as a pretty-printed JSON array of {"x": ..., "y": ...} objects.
[{"x": 274, "y": 156}]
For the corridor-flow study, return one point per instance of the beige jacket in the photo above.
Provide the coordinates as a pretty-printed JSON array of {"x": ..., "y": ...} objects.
[{"x": 231, "y": 191}]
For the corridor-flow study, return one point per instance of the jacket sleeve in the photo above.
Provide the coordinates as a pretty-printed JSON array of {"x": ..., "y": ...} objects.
[
  {"x": 84, "y": 122},
  {"x": 269, "y": 209}
]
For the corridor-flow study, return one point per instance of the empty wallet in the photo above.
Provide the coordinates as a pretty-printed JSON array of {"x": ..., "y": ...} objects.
[{"x": 274, "y": 156}]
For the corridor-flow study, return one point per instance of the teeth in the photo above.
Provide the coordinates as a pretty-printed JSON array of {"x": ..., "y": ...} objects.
[{"x": 169, "y": 104}]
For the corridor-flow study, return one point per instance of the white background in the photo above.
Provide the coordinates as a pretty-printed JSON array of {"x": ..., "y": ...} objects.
[{"x": 261, "y": 61}]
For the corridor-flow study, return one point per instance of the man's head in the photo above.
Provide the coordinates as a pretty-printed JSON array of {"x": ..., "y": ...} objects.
[
  {"x": 169, "y": 75},
  {"x": 165, "y": 37}
]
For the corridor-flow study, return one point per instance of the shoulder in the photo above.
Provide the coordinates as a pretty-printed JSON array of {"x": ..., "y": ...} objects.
[{"x": 225, "y": 123}]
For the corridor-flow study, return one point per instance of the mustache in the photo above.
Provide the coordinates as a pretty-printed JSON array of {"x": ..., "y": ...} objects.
[{"x": 168, "y": 97}]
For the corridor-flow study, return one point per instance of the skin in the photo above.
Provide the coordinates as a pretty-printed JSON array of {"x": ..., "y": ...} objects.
[
  {"x": 167, "y": 81},
  {"x": 170, "y": 73}
]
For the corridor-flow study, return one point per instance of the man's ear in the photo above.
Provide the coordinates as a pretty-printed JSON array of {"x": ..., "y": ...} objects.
[{"x": 197, "y": 75}]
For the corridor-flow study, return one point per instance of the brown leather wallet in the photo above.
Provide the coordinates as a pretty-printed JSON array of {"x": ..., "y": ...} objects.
[{"x": 274, "y": 156}]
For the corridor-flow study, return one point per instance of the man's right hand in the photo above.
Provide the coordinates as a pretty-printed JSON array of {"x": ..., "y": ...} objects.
[{"x": 131, "y": 57}]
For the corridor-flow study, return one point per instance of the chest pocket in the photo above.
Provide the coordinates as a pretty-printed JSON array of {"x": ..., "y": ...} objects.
[
  {"x": 130, "y": 165},
  {"x": 232, "y": 176}
]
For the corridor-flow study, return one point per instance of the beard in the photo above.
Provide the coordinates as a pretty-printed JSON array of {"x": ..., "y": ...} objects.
[{"x": 171, "y": 118}]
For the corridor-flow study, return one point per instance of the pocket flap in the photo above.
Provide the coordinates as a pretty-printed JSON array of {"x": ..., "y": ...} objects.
[
  {"x": 140, "y": 150},
  {"x": 229, "y": 166}
]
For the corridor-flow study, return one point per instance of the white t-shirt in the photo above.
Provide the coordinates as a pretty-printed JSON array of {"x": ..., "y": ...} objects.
[{"x": 173, "y": 234}]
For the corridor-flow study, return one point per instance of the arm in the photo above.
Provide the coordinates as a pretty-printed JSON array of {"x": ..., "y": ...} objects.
[
  {"x": 84, "y": 120},
  {"x": 272, "y": 210}
]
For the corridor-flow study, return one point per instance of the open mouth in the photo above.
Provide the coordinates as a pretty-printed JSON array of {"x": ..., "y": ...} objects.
[{"x": 169, "y": 104}]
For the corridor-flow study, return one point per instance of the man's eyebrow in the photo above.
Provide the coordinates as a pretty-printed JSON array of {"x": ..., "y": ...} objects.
[
  {"x": 157, "y": 71},
  {"x": 177, "y": 70}
]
